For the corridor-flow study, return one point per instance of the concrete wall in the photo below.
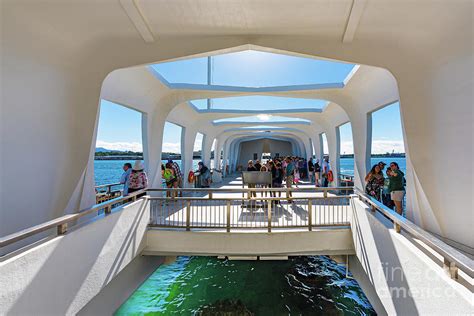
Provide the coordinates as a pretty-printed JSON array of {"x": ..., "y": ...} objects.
[
  {"x": 397, "y": 274},
  {"x": 247, "y": 149},
  {"x": 61, "y": 275},
  {"x": 317, "y": 242}
]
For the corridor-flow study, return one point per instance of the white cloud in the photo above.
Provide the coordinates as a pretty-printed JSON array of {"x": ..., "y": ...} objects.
[
  {"x": 121, "y": 146},
  {"x": 382, "y": 146},
  {"x": 347, "y": 148},
  {"x": 171, "y": 147},
  {"x": 379, "y": 146}
]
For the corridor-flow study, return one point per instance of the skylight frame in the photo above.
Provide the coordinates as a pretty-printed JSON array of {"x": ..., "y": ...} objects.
[
  {"x": 259, "y": 111},
  {"x": 236, "y": 121},
  {"x": 241, "y": 88}
]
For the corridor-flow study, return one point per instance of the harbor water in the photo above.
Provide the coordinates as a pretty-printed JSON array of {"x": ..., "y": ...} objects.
[{"x": 313, "y": 285}]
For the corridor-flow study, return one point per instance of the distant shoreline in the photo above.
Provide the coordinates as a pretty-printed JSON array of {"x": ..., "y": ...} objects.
[{"x": 178, "y": 157}]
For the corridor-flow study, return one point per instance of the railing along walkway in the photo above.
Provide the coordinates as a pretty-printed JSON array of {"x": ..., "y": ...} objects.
[{"x": 250, "y": 208}]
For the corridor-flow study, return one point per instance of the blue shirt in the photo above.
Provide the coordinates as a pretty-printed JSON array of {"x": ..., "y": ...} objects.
[
  {"x": 289, "y": 169},
  {"x": 125, "y": 180}
]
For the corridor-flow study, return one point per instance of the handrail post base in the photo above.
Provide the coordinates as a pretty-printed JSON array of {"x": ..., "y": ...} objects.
[{"x": 450, "y": 268}]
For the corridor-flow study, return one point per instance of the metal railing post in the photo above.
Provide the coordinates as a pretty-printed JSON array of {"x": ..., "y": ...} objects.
[
  {"x": 210, "y": 195},
  {"x": 450, "y": 268},
  {"x": 270, "y": 217},
  {"x": 108, "y": 209},
  {"x": 325, "y": 193},
  {"x": 310, "y": 215},
  {"x": 62, "y": 229},
  {"x": 228, "y": 216},
  {"x": 188, "y": 216}
]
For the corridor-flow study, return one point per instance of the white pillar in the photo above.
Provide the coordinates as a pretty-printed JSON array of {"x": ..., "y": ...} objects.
[
  {"x": 333, "y": 139},
  {"x": 321, "y": 147},
  {"x": 152, "y": 138},
  {"x": 361, "y": 124},
  {"x": 206, "y": 149},
  {"x": 188, "y": 137},
  {"x": 317, "y": 147}
]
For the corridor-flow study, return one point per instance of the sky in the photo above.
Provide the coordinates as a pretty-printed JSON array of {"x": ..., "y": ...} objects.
[
  {"x": 254, "y": 69},
  {"x": 120, "y": 127}
]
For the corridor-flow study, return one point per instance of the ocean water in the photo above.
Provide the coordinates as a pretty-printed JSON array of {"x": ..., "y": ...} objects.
[
  {"x": 347, "y": 164},
  {"x": 109, "y": 171},
  {"x": 313, "y": 285}
]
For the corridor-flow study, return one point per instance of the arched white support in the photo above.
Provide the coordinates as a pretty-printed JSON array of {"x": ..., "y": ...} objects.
[
  {"x": 333, "y": 147},
  {"x": 317, "y": 147},
  {"x": 188, "y": 138},
  {"x": 152, "y": 135},
  {"x": 361, "y": 125}
]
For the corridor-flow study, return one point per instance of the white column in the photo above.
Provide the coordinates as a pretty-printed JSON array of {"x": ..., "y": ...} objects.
[
  {"x": 361, "y": 124},
  {"x": 217, "y": 154},
  {"x": 226, "y": 156},
  {"x": 206, "y": 149},
  {"x": 152, "y": 137},
  {"x": 188, "y": 137},
  {"x": 317, "y": 147},
  {"x": 321, "y": 147},
  {"x": 332, "y": 136}
]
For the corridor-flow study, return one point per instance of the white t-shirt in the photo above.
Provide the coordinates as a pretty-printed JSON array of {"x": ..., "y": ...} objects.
[{"x": 326, "y": 167}]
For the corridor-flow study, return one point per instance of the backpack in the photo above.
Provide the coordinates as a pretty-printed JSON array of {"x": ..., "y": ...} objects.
[
  {"x": 168, "y": 175},
  {"x": 330, "y": 176}
]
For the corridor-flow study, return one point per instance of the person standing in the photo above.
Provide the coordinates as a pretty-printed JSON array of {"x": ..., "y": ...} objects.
[
  {"x": 375, "y": 182},
  {"x": 258, "y": 165},
  {"x": 251, "y": 167},
  {"x": 326, "y": 169},
  {"x": 289, "y": 177},
  {"x": 178, "y": 174},
  {"x": 317, "y": 172},
  {"x": 137, "y": 178},
  {"x": 310, "y": 170},
  {"x": 124, "y": 179},
  {"x": 170, "y": 179},
  {"x": 396, "y": 186},
  {"x": 277, "y": 178},
  {"x": 205, "y": 175}
]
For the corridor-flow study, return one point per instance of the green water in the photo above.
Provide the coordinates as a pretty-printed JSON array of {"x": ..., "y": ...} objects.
[{"x": 205, "y": 285}]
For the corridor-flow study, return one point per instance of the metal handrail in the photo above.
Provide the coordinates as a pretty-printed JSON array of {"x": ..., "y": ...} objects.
[
  {"x": 244, "y": 190},
  {"x": 191, "y": 198},
  {"x": 221, "y": 213},
  {"x": 61, "y": 223},
  {"x": 453, "y": 258},
  {"x": 107, "y": 185}
]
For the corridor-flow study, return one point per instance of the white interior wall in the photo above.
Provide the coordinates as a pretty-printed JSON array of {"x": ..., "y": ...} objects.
[{"x": 248, "y": 148}]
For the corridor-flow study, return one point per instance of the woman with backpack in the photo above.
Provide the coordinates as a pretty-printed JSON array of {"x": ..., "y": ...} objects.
[
  {"x": 170, "y": 179},
  {"x": 137, "y": 178}
]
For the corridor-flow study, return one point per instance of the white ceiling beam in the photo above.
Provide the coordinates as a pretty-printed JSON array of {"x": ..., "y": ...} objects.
[
  {"x": 135, "y": 14},
  {"x": 353, "y": 19}
]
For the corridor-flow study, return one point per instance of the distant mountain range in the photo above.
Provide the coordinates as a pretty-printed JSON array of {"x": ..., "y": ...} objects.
[{"x": 103, "y": 150}]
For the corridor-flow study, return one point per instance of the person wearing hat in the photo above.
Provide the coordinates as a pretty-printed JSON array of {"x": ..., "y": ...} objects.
[{"x": 137, "y": 179}]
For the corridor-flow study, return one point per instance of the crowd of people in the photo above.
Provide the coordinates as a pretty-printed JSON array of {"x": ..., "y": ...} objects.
[
  {"x": 389, "y": 190},
  {"x": 291, "y": 170}
]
